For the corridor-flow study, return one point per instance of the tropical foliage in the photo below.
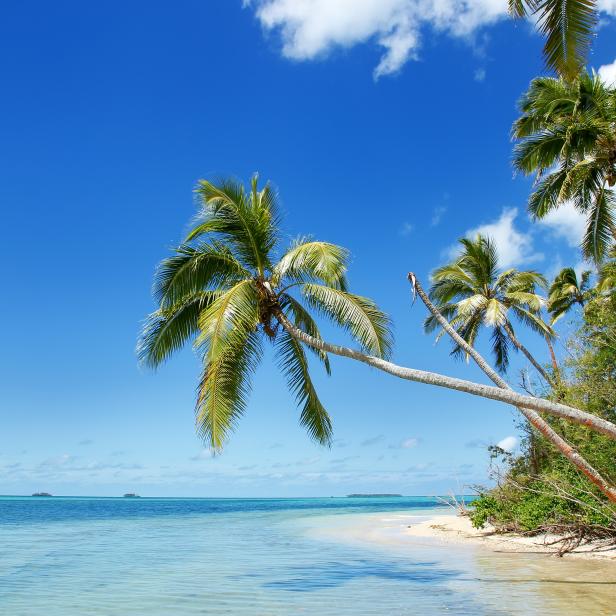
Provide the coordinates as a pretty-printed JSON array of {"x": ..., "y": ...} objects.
[
  {"x": 473, "y": 293},
  {"x": 222, "y": 288},
  {"x": 567, "y": 137},
  {"x": 567, "y": 290},
  {"x": 568, "y": 27},
  {"x": 536, "y": 491}
]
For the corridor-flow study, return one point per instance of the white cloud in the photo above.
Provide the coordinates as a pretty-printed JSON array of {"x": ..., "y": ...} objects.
[
  {"x": 565, "y": 222},
  {"x": 509, "y": 443},
  {"x": 312, "y": 28},
  {"x": 480, "y": 74},
  {"x": 408, "y": 443},
  {"x": 514, "y": 247},
  {"x": 607, "y": 72}
]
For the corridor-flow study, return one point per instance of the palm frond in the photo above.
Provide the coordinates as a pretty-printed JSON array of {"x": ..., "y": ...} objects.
[
  {"x": 600, "y": 226},
  {"x": 569, "y": 28},
  {"x": 301, "y": 318},
  {"x": 533, "y": 321},
  {"x": 167, "y": 330},
  {"x": 360, "y": 316},
  {"x": 307, "y": 261},
  {"x": 194, "y": 268},
  {"x": 294, "y": 364},
  {"x": 224, "y": 387},
  {"x": 500, "y": 349}
]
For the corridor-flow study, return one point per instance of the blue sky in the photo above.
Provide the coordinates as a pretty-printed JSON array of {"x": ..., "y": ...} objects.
[{"x": 385, "y": 129}]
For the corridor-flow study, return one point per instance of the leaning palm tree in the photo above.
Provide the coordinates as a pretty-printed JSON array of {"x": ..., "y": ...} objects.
[
  {"x": 567, "y": 291},
  {"x": 224, "y": 290},
  {"x": 567, "y": 137},
  {"x": 218, "y": 290},
  {"x": 471, "y": 292},
  {"x": 569, "y": 29}
]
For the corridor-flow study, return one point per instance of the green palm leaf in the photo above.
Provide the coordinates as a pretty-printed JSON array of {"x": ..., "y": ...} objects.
[
  {"x": 294, "y": 364},
  {"x": 167, "y": 330},
  {"x": 359, "y": 315},
  {"x": 307, "y": 261}
]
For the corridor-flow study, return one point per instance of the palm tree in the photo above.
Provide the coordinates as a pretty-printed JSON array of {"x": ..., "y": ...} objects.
[
  {"x": 607, "y": 274},
  {"x": 566, "y": 291},
  {"x": 471, "y": 293},
  {"x": 224, "y": 290},
  {"x": 567, "y": 137},
  {"x": 220, "y": 289},
  {"x": 569, "y": 27}
]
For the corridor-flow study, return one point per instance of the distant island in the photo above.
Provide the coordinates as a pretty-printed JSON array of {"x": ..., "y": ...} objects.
[
  {"x": 372, "y": 495},
  {"x": 131, "y": 495},
  {"x": 42, "y": 494}
]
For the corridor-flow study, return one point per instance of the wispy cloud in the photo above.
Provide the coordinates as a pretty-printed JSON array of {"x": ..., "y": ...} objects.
[
  {"x": 437, "y": 215},
  {"x": 373, "y": 440},
  {"x": 407, "y": 443},
  {"x": 406, "y": 229}
]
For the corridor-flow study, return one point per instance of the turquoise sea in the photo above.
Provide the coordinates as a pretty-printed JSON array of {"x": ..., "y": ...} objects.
[{"x": 120, "y": 556}]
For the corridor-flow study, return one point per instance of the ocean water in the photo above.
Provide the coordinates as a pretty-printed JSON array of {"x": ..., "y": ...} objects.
[{"x": 155, "y": 557}]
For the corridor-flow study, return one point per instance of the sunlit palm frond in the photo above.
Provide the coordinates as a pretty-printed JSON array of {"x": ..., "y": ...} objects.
[
  {"x": 601, "y": 226},
  {"x": 167, "y": 330},
  {"x": 195, "y": 268},
  {"x": 307, "y": 261},
  {"x": 301, "y": 318},
  {"x": 569, "y": 28},
  {"x": 359, "y": 315},
  {"x": 293, "y": 362},
  {"x": 222, "y": 392}
]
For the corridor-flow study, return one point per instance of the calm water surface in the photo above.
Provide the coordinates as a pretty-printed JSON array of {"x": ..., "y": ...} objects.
[{"x": 103, "y": 556}]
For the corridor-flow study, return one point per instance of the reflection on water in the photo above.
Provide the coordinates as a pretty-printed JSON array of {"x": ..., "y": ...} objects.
[{"x": 261, "y": 558}]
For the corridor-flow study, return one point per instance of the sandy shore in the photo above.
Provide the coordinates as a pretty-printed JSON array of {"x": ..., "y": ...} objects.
[{"x": 455, "y": 528}]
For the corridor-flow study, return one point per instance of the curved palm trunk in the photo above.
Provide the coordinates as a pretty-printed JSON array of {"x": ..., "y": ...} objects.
[
  {"x": 518, "y": 345},
  {"x": 533, "y": 417},
  {"x": 507, "y": 396}
]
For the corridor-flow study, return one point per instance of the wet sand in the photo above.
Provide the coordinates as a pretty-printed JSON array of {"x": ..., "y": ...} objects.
[{"x": 513, "y": 575}]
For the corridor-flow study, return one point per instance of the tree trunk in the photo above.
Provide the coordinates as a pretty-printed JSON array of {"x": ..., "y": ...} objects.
[
  {"x": 553, "y": 357},
  {"x": 485, "y": 391},
  {"x": 518, "y": 345},
  {"x": 533, "y": 418}
]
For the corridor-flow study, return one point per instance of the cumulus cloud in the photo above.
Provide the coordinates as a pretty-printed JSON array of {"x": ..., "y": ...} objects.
[
  {"x": 312, "y": 28},
  {"x": 509, "y": 443},
  {"x": 565, "y": 222},
  {"x": 514, "y": 246},
  {"x": 607, "y": 72}
]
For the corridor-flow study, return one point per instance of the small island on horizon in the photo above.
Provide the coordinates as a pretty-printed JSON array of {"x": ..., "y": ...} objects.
[
  {"x": 131, "y": 495},
  {"x": 42, "y": 494}
]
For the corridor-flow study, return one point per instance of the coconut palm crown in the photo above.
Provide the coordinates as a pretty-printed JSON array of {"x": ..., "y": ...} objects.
[
  {"x": 567, "y": 137},
  {"x": 222, "y": 290},
  {"x": 567, "y": 290},
  {"x": 471, "y": 292}
]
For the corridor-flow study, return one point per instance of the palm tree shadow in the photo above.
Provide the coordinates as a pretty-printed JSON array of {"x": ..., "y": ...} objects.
[{"x": 308, "y": 578}]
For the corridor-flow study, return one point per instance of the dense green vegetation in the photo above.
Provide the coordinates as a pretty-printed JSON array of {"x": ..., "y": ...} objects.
[{"x": 537, "y": 490}]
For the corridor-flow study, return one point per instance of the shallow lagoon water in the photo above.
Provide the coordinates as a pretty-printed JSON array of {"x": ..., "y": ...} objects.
[{"x": 76, "y": 556}]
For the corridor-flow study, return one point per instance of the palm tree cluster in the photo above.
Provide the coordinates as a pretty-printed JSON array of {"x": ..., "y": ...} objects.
[
  {"x": 223, "y": 289},
  {"x": 567, "y": 137},
  {"x": 472, "y": 293}
]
